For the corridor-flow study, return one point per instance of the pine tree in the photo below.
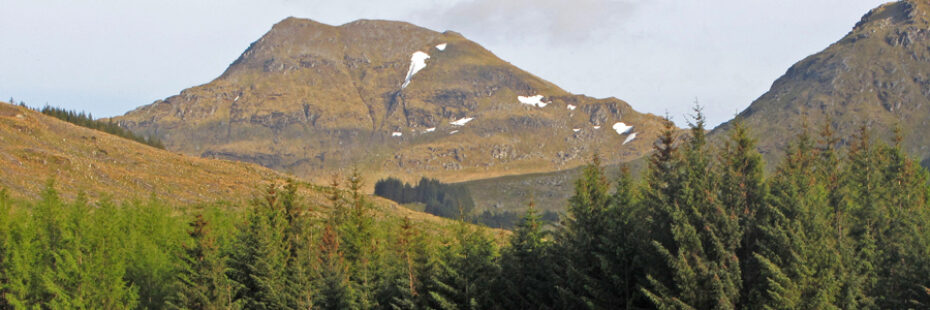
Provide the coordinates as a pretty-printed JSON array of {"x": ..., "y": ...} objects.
[
  {"x": 23, "y": 262},
  {"x": 403, "y": 292},
  {"x": 852, "y": 271},
  {"x": 465, "y": 271},
  {"x": 259, "y": 260},
  {"x": 580, "y": 236},
  {"x": 202, "y": 281},
  {"x": 410, "y": 270},
  {"x": 335, "y": 290},
  {"x": 662, "y": 187},
  {"x": 356, "y": 233},
  {"x": 898, "y": 225},
  {"x": 83, "y": 265},
  {"x": 152, "y": 249},
  {"x": 701, "y": 253},
  {"x": 796, "y": 254},
  {"x": 299, "y": 242},
  {"x": 526, "y": 275},
  {"x": 744, "y": 195},
  {"x": 620, "y": 259}
]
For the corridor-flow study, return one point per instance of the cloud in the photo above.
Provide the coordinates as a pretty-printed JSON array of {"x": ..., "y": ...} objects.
[{"x": 556, "y": 21}]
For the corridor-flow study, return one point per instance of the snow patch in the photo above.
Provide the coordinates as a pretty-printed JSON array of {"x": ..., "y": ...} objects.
[
  {"x": 576, "y": 129},
  {"x": 397, "y": 134},
  {"x": 630, "y": 138},
  {"x": 597, "y": 127},
  {"x": 441, "y": 46},
  {"x": 237, "y": 99},
  {"x": 430, "y": 129},
  {"x": 571, "y": 107},
  {"x": 462, "y": 122},
  {"x": 533, "y": 100},
  {"x": 453, "y": 132},
  {"x": 622, "y": 128},
  {"x": 417, "y": 63}
]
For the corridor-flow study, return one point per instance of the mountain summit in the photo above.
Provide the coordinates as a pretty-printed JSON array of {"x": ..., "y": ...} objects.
[
  {"x": 878, "y": 75},
  {"x": 393, "y": 99}
]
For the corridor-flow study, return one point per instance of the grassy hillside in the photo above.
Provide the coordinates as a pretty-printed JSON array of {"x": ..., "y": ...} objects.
[{"x": 36, "y": 149}]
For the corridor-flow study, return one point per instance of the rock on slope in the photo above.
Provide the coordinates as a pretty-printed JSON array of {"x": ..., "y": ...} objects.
[
  {"x": 878, "y": 75},
  {"x": 392, "y": 99}
]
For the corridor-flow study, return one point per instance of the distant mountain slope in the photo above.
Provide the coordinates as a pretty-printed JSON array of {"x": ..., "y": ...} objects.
[
  {"x": 392, "y": 99},
  {"x": 878, "y": 75},
  {"x": 35, "y": 148}
]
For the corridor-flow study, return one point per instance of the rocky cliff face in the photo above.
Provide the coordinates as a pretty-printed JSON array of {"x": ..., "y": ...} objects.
[
  {"x": 390, "y": 98},
  {"x": 878, "y": 75}
]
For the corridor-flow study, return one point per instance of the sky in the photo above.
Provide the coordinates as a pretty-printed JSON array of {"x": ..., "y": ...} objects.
[{"x": 108, "y": 57}]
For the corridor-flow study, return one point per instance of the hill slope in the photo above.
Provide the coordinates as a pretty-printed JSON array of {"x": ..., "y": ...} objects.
[
  {"x": 393, "y": 99},
  {"x": 878, "y": 75},
  {"x": 35, "y": 148}
]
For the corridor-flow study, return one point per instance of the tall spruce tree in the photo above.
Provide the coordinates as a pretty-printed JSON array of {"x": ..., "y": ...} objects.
[
  {"x": 298, "y": 236},
  {"x": 620, "y": 260},
  {"x": 580, "y": 237},
  {"x": 466, "y": 267},
  {"x": 851, "y": 272},
  {"x": 404, "y": 291},
  {"x": 335, "y": 289},
  {"x": 796, "y": 252},
  {"x": 260, "y": 257},
  {"x": 526, "y": 271},
  {"x": 703, "y": 270},
  {"x": 898, "y": 226},
  {"x": 356, "y": 232},
  {"x": 744, "y": 195},
  {"x": 202, "y": 281}
]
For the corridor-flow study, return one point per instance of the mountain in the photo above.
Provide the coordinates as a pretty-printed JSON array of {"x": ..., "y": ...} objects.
[
  {"x": 35, "y": 148},
  {"x": 392, "y": 99},
  {"x": 878, "y": 75}
]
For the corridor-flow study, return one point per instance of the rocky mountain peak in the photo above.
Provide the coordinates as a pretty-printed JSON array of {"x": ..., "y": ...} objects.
[
  {"x": 900, "y": 13},
  {"x": 877, "y": 76},
  {"x": 395, "y": 98}
]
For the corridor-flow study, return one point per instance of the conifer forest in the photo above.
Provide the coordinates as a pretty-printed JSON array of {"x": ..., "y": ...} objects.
[{"x": 839, "y": 223}]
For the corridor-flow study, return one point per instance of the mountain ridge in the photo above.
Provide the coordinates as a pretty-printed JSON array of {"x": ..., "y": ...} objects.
[
  {"x": 310, "y": 99},
  {"x": 877, "y": 76}
]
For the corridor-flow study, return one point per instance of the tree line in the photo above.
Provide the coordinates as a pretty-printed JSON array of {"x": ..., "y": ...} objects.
[
  {"x": 452, "y": 201},
  {"x": 441, "y": 199},
  {"x": 87, "y": 120},
  {"x": 832, "y": 228}
]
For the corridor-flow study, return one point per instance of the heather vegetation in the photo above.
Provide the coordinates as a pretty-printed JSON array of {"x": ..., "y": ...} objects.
[{"x": 704, "y": 228}]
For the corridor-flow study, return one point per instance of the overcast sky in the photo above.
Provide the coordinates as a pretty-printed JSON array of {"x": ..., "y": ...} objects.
[{"x": 110, "y": 56}]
